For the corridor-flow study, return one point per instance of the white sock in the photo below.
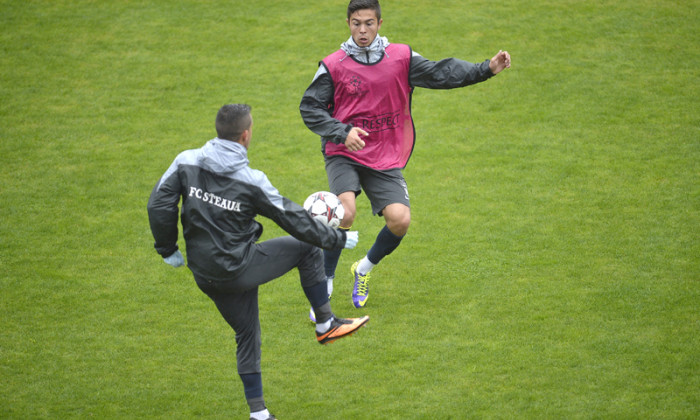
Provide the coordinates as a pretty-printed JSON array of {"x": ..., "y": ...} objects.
[
  {"x": 365, "y": 266},
  {"x": 322, "y": 327},
  {"x": 260, "y": 415},
  {"x": 329, "y": 283}
]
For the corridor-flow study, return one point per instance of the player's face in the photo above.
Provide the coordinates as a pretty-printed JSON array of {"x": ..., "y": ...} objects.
[{"x": 364, "y": 26}]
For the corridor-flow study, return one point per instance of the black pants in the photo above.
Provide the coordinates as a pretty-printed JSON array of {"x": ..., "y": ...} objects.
[{"x": 237, "y": 299}]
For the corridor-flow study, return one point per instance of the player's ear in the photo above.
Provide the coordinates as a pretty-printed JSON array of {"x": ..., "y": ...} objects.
[{"x": 245, "y": 137}]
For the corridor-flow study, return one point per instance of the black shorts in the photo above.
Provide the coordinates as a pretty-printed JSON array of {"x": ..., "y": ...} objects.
[{"x": 382, "y": 187}]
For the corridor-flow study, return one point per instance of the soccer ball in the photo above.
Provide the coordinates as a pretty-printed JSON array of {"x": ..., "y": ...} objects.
[{"x": 325, "y": 207}]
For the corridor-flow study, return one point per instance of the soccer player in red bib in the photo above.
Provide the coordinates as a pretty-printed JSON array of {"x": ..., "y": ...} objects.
[{"x": 359, "y": 102}]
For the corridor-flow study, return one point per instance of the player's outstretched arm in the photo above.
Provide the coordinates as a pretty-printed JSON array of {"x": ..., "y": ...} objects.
[{"x": 499, "y": 62}]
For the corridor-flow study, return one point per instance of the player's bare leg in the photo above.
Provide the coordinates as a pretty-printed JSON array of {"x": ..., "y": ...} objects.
[{"x": 348, "y": 200}]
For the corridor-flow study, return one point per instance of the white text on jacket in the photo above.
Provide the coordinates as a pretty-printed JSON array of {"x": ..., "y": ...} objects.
[{"x": 210, "y": 198}]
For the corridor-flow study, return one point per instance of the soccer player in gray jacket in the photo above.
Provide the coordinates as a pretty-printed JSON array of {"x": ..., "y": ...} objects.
[{"x": 221, "y": 196}]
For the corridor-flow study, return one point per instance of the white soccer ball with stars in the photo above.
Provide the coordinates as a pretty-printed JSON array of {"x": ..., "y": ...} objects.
[{"x": 325, "y": 207}]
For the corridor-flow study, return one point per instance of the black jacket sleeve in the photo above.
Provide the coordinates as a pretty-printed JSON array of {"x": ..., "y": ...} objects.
[
  {"x": 163, "y": 214},
  {"x": 449, "y": 73},
  {"x": 296, "y": 221},
  {"x": 316, "y": 109}
]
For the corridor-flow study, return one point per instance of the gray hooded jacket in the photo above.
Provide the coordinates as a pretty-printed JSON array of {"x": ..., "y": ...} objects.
[{"x": 221, "y": 195}]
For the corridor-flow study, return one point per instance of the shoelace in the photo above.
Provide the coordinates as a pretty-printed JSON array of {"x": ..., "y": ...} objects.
[{"x": 362, "y": 285}]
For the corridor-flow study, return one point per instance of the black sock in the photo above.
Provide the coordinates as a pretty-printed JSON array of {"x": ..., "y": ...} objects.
[
  {"x": 330, "y": 261},
  {"x": 318, "y": 298},
  {"x": 252, "y": 387},
  {"x": 384, "y": 245},
  {"x": 331, "y": 258}
]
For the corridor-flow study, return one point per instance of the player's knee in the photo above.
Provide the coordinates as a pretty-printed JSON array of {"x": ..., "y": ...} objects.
[
  {"x": 313, "y": 253},
  {"x": 398, "y": 218},
  {"x": 348, "y": 201},
  {"x": 399, "y": 226}
]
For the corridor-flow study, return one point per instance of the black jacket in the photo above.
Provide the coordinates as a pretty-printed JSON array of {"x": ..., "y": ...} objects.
[{"x": 221, "y": 195}]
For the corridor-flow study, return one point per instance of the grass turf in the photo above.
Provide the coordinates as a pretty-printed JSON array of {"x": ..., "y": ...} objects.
[{"x": 551, "y": 269}]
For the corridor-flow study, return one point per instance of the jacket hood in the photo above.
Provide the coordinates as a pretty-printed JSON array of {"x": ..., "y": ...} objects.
[
  {"x": 223, "y": 156},
  {"x": 374, "y": 50}
]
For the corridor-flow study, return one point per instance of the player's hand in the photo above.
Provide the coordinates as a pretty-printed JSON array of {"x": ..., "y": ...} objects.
[
  {"x": 353, "y": 141},
  {"x": 351, "y": 238},
  {"x": 499, "y": 62},
  {"x": 176, "y": 260}
]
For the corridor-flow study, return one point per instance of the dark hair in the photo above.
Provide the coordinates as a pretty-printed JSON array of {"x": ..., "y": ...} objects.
[
  {"x": 232, "y": 120},
  {"x": 356, "y": 5}
]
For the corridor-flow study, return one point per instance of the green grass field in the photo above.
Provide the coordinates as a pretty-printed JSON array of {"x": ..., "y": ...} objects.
[{"x": 552, "y": 268}]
